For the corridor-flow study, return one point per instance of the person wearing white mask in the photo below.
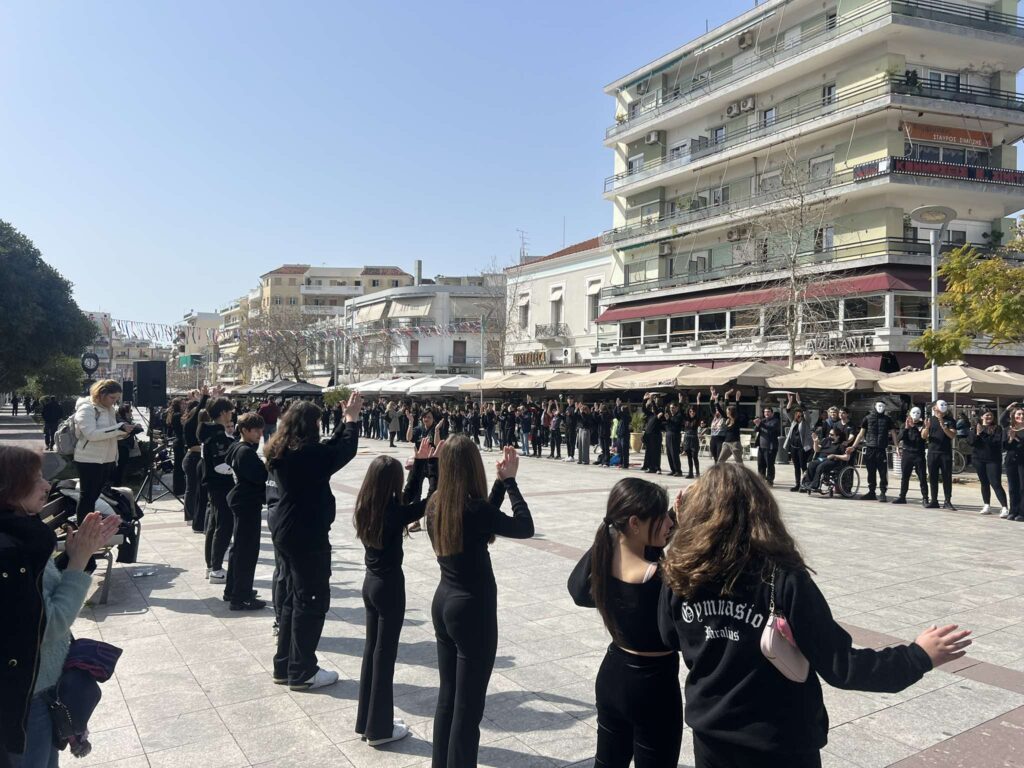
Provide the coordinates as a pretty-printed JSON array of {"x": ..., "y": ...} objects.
[
  {"x": 939, "y": 431},
  {"x": 876, "y": 432},
  {"x": 912, "y": 449}
]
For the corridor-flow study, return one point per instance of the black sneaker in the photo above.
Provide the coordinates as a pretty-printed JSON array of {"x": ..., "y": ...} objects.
[
  {"x": 924, "y": 502},
  {"x": 869, "y": 496},
  {"x": 253, "y": 604},
  {"x": 227, "y": 598},
  {"x": 899, "y": 500},
  {"x": 932, "y": 505},
  {"x": 795, "y": 489},
  {"x": 882, "y": 497},
  {"x": 947, "y": 504}
]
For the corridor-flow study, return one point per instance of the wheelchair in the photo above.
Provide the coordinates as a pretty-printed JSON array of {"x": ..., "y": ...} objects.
[{"x": 844, "y": 480}]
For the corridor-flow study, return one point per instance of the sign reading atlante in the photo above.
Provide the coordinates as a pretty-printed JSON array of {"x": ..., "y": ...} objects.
[{"x": 843, "y": 344}]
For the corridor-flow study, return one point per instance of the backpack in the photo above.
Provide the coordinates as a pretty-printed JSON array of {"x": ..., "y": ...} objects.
[{"x": 65, "y": 439}]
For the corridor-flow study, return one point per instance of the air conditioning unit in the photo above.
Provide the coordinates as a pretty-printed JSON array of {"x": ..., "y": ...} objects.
[
  {"x": 665, "y": 249},
  {"x": 746, "y": 40},
  {"x": 736, "y": 234},
  {"x": 733, "y": 110},
  {"x": 641, "y": 87},
  {"x": 654, "y": 137},
  {"x": 748, "y": 104}
]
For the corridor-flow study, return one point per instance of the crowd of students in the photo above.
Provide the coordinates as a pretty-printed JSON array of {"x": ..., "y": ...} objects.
[{"x": 709, "y": 577}]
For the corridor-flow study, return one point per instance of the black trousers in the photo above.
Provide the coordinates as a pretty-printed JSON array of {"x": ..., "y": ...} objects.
[
  {"x": 766, "y": 461},
  {"x": 799, "y": 457},
  {"x": 305, "y": 596},
  {"x": 50, "y": 432},
  {"x": 556, "y": 443},
  {"x": 276, "y": 587},
  {"x": 623, "y": 445},
  {"x": 193, "y": 510},
  {"x": 1015, "y": 479},
  {"x": 384, "y": 600},
  {"x": 652, "y": 452},
  {"x": 715, "y": 446},
  {"x": 712, "y": 753},
  {"x": 244, "y": 552},
  {"x": 606, "y": 449},
  {"x": 876, "y": 461},
  {"x": 639, "y": 710},
  {"x": 823, "y": 467},
  {"x": 219, "y": 522},
  {"x": 178, "y": 475},
  {"x": 92, "y": 478},
  {"x": 940, "y": 463},
  {"x": 990, "y": 475},
  {"x": 488, "y": 438},
  {"x": 466, "y": 627},
  {"x": 570, "y": 442},
  {"x": 911, "y": 462},
  {"x": 691, "y": 447},
  {"x": 672, "y": 447}
]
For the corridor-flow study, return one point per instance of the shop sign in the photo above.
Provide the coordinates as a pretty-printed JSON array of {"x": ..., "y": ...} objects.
[
  {"x": 940, "y": 133},
  {"x": 848, "y": 344},
  {"x": 525, "y": 359}
]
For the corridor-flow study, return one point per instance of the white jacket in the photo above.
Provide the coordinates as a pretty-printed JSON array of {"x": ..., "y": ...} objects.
[{"x": 98, "y": 432}]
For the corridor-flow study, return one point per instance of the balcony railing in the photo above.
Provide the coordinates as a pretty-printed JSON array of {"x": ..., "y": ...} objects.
[
  {"x": 807, "y": 189},
  {"x": 861, "y": 250},
  {"x": 464, "y": 360},
  {"x": 662, "y": 101},
  {"x": 700, "y": 147},
  {"x": 551, "y": 331},
  {"x": 412, "y": 360},
  {"x": 331, "y": 290},
  {"x": 319, "y": 309}
]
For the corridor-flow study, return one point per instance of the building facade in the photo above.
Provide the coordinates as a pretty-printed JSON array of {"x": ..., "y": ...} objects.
[
  {"x": 117, "y": 353},
  {"x": 765, "y": 173},
  {"x": 553, "y": 303}
]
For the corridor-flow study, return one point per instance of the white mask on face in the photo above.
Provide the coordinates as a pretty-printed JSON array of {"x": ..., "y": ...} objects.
[
  {"x": 943, "y": 406},
  {"x": 915, "y": 413},
  {"x": 879, "y": 407}
]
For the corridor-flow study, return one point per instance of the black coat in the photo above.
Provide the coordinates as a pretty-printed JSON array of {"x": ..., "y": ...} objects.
[{"x": 26, "y": 544}]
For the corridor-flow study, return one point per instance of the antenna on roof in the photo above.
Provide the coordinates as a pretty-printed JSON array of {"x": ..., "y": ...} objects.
[{"x": 523, "y": 245}]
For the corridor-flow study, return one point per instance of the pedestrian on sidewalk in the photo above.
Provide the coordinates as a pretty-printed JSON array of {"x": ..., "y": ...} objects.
[
  {"x": 98, "y": 431},
  {"x": 52, "y": 414},
  {"x": 15, "y": 402},
  {"x": 724, "y": 587}
]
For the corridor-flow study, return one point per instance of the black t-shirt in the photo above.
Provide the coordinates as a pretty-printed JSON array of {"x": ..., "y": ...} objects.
[{"x": 938, "y": 441}]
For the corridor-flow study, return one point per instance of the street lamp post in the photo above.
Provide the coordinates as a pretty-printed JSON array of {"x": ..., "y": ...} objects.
[{"x": 930, "y": 216}]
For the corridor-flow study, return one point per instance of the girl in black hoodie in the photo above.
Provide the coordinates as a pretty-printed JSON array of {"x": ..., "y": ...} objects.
[
  {"x": 300, "y": 526},
  {"x": 729, "y": 550},
  {"x": 219, "y": 481}
]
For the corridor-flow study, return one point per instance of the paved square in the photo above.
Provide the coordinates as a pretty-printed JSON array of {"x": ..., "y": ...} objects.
[{"x": 193, "y": 687}]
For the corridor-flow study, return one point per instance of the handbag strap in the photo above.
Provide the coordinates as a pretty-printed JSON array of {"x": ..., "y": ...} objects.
[{"x": 771, "y": 601}]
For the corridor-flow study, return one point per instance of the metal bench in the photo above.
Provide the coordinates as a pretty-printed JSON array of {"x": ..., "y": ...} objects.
[{"x": 58, "y": 513}]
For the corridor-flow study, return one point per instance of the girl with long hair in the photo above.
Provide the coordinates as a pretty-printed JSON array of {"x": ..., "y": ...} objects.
[
  {"x": 730, "y": 569},
  {"x": 98, "y": 431},
  {"x": 301, "y": 468},
  {"x": 987, "y": 457},
  {"x": 1013, "y": 447},
  {"x": 172, "y": 422},
  {"x": 639, "y": 706},
  {"x": 381, "y": 518},
  {"x": 195, "y": 491},
  {"x": 691, "y": 439},
  {"x": 461, "y": 521}
]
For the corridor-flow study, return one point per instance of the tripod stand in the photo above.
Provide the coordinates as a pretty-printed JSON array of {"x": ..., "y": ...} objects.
[{"x": 154, "y": 477}]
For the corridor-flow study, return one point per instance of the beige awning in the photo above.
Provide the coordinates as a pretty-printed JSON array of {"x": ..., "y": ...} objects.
[
  {"x": 411, "y": 307},
  {"x": 746, "y": 374},
  {"x": 842, "y": 378},
  {"x": 524, "y": 299},
  {"x": 370, "y": 313},
  {"x": 556, "y": 294},
  {"x": 953, "y": 379},
  {"x": 525, "y": 382},
  {"x": 659, "y": 378},
  {"x": 589, "y": 382},
  {"x": 594, "y": 286}
]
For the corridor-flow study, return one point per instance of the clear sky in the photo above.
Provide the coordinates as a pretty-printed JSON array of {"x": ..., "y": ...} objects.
[{"x": 164, "y": 154}]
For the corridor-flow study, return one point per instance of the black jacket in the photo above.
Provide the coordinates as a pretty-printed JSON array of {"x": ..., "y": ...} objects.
[
  {"x": 767, "y": 433},
  {"x": 910, "y": 439},
  {"x": 250, "y": 489},
  {"x": 988, "y": 446},
  {"x": 26, "y": 544},
  {"x": 52, "y": 412},
  {"x": 305, "y": 509},
  {"x": 877, "y": 428},
  {"x": 216, "y": 443}
]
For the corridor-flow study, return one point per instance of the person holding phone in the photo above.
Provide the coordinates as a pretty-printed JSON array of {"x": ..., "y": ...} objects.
[
  {"x": 98, "y": 432},
  {"x": 939, "y": 431},
  {"x": 986, "y": 439},
  {"x": 912, "y": 446}
]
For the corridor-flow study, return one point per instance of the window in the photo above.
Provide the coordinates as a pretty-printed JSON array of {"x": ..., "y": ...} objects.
[
  {"x": 634, "y": 108},
  {"x": 681, "y": 329},
  {"x": 956, "y": 237},
  {"x": 357, "y": 282},
  {"x": 718, "y": 196},
  {"x": 718, "y": 135},
  {"x": 375, "y": 283},
  {"x": 763, "y": 250},
  {"x": 711, "y": 326},
  {"x": 459, "y": 352},
  {"x": 978, "y": 157},
  {"x": 679, "y": 150},
  {"x": 768, "y": 182},
  {"x": 929, "y": 153},
  {"x": 524, "y": 315},
  {"x": 292, "y": 301},
  {"x": 277, "y": 281},
  {"x": 698, "y": 264},
  {"x": 635, "y": 164},
  {"x": 913, "y": 314},
  {"x": 636, "y": 272},
  {"x": 291, "y": 281},
  {"x": 745, "y": 323},
  {"x": 821, "y": 168},
  {"x": 655, "y": 331},
  {"x": 831, "y": 19},
  {"x": 828, "y": 95},
  {"x": 863, "y": 313},
  {"x": 947, "y": 81},
  {"x": 394, "y": 283},
  {"x": 768, "y": 117},
  {"x": 556, "y": 312},
  {"x": 650, "y": 210},
  {"x": 593, "y": 307},
  {"x": 629, "y": 333},
  {"x": 954, "y": 155},
  {"x": 824, "y": 239},
  {"x": 276, "y": 301}
]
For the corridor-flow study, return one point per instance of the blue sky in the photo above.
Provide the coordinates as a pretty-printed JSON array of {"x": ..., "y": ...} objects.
[{"x": 162, "y": 155}]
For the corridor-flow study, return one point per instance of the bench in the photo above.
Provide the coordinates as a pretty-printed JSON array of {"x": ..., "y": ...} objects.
[{"x": 59, "y": 512}]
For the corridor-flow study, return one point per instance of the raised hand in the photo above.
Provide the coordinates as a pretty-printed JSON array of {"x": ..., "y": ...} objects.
[
  {"x": 93, "y": 533},
  {"x": 509, "y": 464},
  {"x": 423, "y": 451},
  {"x": 677, "y": 505},
  {"x": 353, "y": 406},
  {"x": 944, "y": 644},
  {"x": 435, "y": 449}
]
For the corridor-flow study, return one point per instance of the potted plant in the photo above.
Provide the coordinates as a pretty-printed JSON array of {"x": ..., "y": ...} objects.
[{"x": 636, "y": 431}]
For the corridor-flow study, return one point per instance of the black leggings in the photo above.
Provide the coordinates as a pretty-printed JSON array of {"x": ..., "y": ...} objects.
[
  {"x": 639, "y": 710},
  {"x": 652, "y": 452},
  {"x": 195, "y": 505},
  {"x": 990, "y": 475},
  {"x": 1015, "y": 479},
  {"x": 556, "y": 444},
  {"x": 466, "y": 626},
  {"x": 940, "y": 462},
  {"x": 91, "y": 480},
  {"x": 178, "y": 476},
  {"x": 244, "y": 552},
  {"x": 672, "y": 440},
  {"x": 219, "y": 523},
  {"x": 913, "y": 461},
  {"x": 304, "y": 593},
  {"x": 691, "y": 447},
  {"x": 384, "y": 599},
  {"x": 799, "y": 457},
  {"x": 712, "y": 753},
  {"x": 715, "y": 446}
]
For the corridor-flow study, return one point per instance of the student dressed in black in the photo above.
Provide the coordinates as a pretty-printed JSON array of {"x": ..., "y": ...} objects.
[
  {"x": 912, "y": 449},
  {"x": 300, "y": 527},
  {"x": 767, "y": 431},
  {"x": 219, "y": 481},
  {"x": 1013, "y": 449},
  {"x": 464, "y": 609},
  {"x": 654, "y": 425},
  {"x": 639, "y": 706},
  {"x": 939, "y": 430},
  {"x": 691, "y": 440},
  {"x": 571, "y": 424},
  {"x": 987, "y": 457},
  {"x": 674, "y": 421},
  {"x": 877, "y": 430},
  {"x": 195, "y": 490},
  {"x": 245, "y": 500},
  {"x": 380, "y": 521}
]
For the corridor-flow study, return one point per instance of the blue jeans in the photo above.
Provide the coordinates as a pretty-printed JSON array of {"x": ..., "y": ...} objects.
[
  {"x": 526, "y": 442},
  {"x": 39, "y": 750},
  {"x": 268, "y": 430}
]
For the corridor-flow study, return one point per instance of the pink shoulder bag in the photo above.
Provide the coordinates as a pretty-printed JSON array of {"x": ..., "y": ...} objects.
[{"x": 779, "y": 647}]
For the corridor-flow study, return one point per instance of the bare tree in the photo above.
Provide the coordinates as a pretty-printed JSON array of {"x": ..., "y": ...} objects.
[
  {"x": 276, "y": 343},
  {"x": 502, "y": 328}
]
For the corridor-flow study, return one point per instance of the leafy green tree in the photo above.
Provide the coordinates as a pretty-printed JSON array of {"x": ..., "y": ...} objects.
[
  {"x": 40, "y": 319},
  {"x": 62, "y": 377},
  {"x": 984, "y": 302},
  {"x": 336, "y": 396}
]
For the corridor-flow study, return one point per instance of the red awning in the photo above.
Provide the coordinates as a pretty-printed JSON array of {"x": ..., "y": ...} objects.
[{"x": 847, "y": 286}]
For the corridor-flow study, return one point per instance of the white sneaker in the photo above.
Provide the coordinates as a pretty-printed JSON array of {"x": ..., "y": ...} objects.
[
  {"x": 985, "y": 510},
  {"x": 219, "y": 576},
  {"x": 1004, "y": 513},
  {"x": 321, "y": 679},
  {"x": 401, "y": 730}
]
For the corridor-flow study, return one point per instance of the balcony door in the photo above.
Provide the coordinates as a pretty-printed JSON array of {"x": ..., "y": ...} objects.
[
  {"x": 458, "y": 353},
  {"x": 414, "y": 351}
]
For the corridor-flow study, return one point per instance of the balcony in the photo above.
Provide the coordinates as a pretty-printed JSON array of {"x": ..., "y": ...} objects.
[
  {"x": 317, "y": 309},
  {"x": 664, "y": 101},
  {"x": 463, "y": 361},
  {"x": 551, "y": 331},
  {"x": 331, "y": 290},
  {"x": 904, "y": 85},
  {"x": 763, "y": 266},
  {"x": 809, "y": 191},
  {"x": 411, "y": 360}
]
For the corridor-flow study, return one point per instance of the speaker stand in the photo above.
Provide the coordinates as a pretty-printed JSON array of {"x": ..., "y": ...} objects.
[{"x": 153, "y": 479}]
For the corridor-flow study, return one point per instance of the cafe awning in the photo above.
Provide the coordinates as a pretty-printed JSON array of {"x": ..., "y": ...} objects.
[
  {"x": 411, "y": 307},
  {"x": 370, "y": 313}
]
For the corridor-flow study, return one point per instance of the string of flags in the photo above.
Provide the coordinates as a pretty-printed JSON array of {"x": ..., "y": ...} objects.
[{"x": 163, "y": 332}]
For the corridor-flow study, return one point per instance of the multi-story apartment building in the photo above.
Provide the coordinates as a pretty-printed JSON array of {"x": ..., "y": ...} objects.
[
  {"x": 431, "y": 328},
  {"x": 553, "y": 304},
  {"x": 230, "y": 341},
  {"x": 117, "y": 352},
  {"x": 764, "y": 176}
]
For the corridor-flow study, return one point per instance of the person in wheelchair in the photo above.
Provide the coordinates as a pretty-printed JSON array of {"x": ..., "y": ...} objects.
[{"x": 830, "y": 454}]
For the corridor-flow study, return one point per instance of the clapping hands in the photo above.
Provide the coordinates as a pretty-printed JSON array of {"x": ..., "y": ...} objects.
[
  {"x": 93, "y": 533},
  {"x": 508, "y": 465}
]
